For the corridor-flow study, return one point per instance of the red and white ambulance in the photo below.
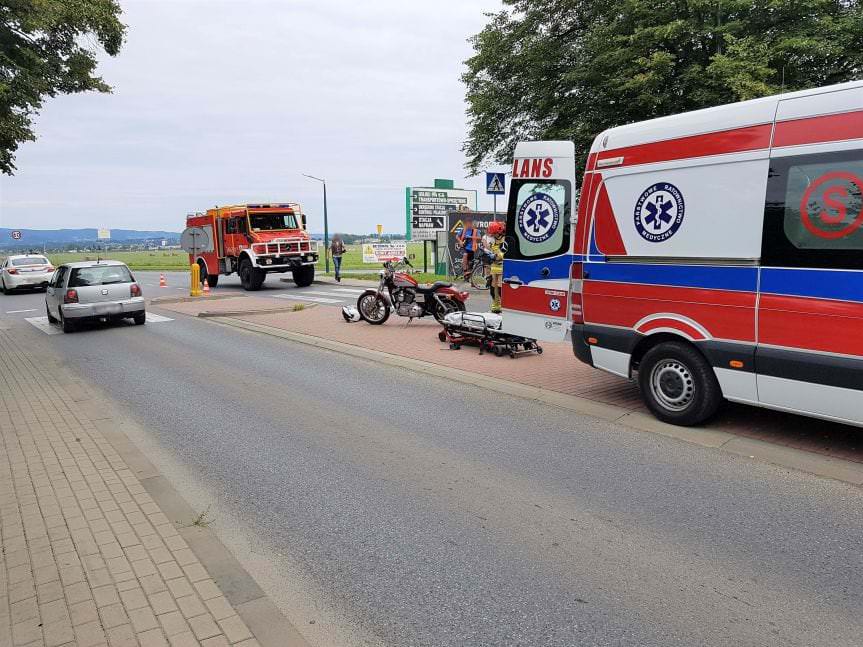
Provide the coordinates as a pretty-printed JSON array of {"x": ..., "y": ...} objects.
[{"x": 717, "y": 254}]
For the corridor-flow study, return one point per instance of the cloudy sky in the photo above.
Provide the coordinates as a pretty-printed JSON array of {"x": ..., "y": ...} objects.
[{"x": 229, "y": 101}]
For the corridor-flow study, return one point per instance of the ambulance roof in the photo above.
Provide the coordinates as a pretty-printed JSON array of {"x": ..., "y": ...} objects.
[{"x": 733, "y": 115}]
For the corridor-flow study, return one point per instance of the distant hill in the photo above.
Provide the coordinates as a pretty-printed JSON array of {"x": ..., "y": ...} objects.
[{"x": 39, "y": 237}]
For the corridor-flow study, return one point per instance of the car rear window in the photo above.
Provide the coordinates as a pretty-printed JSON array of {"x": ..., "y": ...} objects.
[
  {"x": 105, "y": 275},
  {"x": 30, "y": 260}
]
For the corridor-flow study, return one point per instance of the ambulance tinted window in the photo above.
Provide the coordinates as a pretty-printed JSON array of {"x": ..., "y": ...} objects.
[
  {"x": 814, "y": 211},
  {"x": 537, "y": 224}
]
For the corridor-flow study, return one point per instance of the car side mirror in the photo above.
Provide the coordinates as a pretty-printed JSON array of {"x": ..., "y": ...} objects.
[{"x": 303, "y": 218}]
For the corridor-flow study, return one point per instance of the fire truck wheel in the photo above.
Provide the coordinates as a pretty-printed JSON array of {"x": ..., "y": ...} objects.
[
  {"x": 252, "y": 278},
  {"x": 678, "y": 385},
  {"x": 212, "y": 280},
  {"x": 304, "y": 276}
]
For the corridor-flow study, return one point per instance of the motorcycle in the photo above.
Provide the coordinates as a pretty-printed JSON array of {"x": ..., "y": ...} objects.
[{"x": 400, "y": 291}]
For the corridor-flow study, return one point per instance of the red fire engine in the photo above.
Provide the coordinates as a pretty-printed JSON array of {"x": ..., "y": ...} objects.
[{"x": 254, "y": 240}]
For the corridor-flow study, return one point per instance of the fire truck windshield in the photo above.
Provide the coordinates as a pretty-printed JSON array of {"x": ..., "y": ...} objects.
[{"x": 272, "y": 221}]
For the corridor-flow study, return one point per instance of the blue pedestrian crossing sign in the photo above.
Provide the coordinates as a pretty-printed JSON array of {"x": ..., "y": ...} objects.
[{"x": 495, "y": 183}]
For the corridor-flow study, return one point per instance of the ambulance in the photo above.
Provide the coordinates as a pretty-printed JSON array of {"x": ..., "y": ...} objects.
[{"x": 711, "y": 255}]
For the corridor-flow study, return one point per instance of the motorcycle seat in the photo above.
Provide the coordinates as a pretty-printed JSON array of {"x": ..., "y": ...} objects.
[{"x": 429, "y": 288}]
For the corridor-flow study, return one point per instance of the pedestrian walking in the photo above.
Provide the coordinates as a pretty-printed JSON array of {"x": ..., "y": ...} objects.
[{"x": 337, "y": 250}]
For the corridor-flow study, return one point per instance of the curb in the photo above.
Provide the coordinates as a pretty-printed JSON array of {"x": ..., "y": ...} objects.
[
  {"x": 207, "y": 314},
  {"x": 780, "y": 455},
  {"x": 267, "y": 623}
]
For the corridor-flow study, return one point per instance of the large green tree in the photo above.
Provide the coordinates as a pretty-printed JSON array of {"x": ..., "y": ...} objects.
[
  {"x": 568, "y": 69},
  {"x": 49, "y": 47}
]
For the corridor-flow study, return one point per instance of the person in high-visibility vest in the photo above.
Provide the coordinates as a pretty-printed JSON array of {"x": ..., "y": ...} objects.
[{"x": 497, "y": 230}]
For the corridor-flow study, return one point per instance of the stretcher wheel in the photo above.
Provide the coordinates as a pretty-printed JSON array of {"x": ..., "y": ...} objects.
[
  {"x": 498, "y": 351},
  {"x": 441, "y": 335},
  {"x": 539, "y": 350},
  {"x": 512, "y": 354},
  {"x": 528, "y": 345},
  {"x": 454, "y": 346}
]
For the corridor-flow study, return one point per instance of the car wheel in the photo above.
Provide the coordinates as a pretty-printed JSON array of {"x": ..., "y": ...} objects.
[
  {"x": 678, "y": 385},
  {"x": 140, "y": 319},
  {"x": 65, "y": 324},
  {"x": 3, "y": 288},
  {"x": 51, "y": 318}
]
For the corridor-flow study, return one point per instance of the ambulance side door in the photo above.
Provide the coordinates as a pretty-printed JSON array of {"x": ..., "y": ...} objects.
[
  {"x": 810, "y": 316},
  {"x": 538, "y": 259}
]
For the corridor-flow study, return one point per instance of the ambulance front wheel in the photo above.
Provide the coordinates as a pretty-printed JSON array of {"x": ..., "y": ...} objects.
[{"x": 678, "y": 384}]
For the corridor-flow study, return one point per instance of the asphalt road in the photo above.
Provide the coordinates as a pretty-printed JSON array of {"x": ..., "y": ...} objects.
[
  {"x": 329, "y": 294},
  {"x": 397, "y": 509}
]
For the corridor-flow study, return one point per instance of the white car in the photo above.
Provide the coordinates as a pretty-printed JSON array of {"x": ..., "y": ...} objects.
[{"x": 25, "y": 271}]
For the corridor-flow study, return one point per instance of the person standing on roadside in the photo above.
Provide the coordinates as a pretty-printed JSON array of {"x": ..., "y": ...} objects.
[
  {"x": 468, "y": 239},
  {"x": 497, "y": 230},
  {"x": 337, "y": 250}
]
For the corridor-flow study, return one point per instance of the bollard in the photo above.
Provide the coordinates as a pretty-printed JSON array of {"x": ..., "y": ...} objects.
[{"x": 195, "y": 278}]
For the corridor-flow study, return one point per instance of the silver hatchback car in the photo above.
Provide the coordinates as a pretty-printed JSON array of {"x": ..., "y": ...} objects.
[{"x": 93, "y": 290}]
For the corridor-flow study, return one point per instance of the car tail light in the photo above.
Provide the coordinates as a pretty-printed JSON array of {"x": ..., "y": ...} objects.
[
  {"x": 576, "y": 284},
  {"x": 135, "y": 290},
  {"x": 49, "y": 268},
  {"x": 71, "y": 296},
  {"x": 12, "y": 270}
]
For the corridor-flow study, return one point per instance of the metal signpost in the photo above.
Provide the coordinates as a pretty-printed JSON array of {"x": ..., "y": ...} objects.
[
  {"x": 195, "y": 240},
  {"x": 495, "y": 184}
]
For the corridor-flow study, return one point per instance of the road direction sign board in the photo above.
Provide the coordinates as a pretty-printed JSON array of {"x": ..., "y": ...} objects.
[
  {"x": 495, "y": 183},
  {"x": 16, "y": 235},
  {"x": 103, "y": 234},
  {"x": 428, "y": 208}
]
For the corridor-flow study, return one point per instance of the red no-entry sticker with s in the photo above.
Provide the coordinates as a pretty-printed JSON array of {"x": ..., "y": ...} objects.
[{"x": 825, "y": 204}]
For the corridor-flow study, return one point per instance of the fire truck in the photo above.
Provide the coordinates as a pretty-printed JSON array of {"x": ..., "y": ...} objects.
[{"x": 254, "y": 240}]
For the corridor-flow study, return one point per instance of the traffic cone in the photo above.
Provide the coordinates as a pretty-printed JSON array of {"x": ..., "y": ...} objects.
[
  {"x": 163, "y": 281},
  {"x": 206, "y": 287}
]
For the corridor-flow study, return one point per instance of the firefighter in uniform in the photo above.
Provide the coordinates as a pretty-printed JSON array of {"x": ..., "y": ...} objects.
[{"x": 496, "y": 229}]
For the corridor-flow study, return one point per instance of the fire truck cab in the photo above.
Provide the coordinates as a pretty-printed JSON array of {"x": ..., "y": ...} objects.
[
  {"x": 254, "y": 240},
  {"x": 715, "y": 254}
]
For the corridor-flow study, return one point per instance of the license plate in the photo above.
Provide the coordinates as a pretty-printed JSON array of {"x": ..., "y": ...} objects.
[{"x": 108, "y": 308}]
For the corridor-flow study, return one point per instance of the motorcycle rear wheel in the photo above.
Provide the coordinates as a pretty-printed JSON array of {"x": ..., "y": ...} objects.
[
  {"x": 372, "y": 308},
  {"x": 447, "y": 305}
]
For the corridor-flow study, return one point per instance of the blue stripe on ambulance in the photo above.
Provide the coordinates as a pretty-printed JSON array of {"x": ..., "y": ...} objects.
[{"x": 736, "y": 278}]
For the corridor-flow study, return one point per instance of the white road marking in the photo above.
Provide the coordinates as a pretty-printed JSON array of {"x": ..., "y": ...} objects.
[
  {"x": 349, "y": 290},
  {"x": 153, "y": 318},
  {"x": 179, "y": 288},
  {"x": 15, "y": 312},
  {"x": 43, "y": 324},
  {"x": 297, "y": 297},
  {"x": 322, "y": 294}
]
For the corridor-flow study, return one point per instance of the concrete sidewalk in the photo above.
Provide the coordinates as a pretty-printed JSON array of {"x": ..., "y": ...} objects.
[{"x": 88, "y": 556}]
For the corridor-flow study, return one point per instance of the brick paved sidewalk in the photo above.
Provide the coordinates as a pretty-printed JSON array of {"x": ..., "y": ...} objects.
[{"x": 88, "y": 558}]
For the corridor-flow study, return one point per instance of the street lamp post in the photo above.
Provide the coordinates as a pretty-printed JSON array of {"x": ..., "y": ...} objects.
[{"x": 326, "y": 226}]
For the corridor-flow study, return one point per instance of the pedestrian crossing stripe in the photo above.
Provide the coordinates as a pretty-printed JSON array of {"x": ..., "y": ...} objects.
[
  {"x": 42, "y": 323},
  {"x": 320, "y": 294},
  {"x": 152, "y": 318},
  {"x": 356, "y": 291},
  {"x": 297, "y": 297}
]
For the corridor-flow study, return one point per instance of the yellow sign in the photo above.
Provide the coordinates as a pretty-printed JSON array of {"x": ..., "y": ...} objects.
[{"x": 380, "y": 229}]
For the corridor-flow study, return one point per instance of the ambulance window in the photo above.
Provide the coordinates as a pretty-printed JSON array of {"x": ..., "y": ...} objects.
[
  {"x": 814, "y": 211},
  {"x": 537, "y": 224}
]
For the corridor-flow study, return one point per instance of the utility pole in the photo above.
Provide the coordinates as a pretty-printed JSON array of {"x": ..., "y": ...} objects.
[{"x": 326, "y": 225}]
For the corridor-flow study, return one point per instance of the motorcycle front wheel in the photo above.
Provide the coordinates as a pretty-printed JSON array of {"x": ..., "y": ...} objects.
[
  {"x": 447, "y": 305},
  {"x": 373, "y": 308}
]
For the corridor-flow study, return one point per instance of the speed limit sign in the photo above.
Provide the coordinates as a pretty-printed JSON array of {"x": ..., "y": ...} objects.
[{"x": 16, "y": 235}]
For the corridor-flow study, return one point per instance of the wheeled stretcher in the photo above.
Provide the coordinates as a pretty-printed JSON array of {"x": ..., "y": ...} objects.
[{"x": 483, "y": 329}]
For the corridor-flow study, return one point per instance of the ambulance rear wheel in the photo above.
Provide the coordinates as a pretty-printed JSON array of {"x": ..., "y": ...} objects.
[{"x": 678, "y": 385}]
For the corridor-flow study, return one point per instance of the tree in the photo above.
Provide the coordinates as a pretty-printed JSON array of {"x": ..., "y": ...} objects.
[
  {"x": 569, "y": 69},
  {"x": 47, "y": 47}
]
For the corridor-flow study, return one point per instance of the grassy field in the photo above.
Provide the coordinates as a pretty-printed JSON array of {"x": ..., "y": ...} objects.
[
  {"x": 163, "y": 261},
  {"x": 177, "y": 260}
]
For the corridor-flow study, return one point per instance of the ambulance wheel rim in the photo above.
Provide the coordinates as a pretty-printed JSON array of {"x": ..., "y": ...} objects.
[{"x": 672, "y": 384}]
